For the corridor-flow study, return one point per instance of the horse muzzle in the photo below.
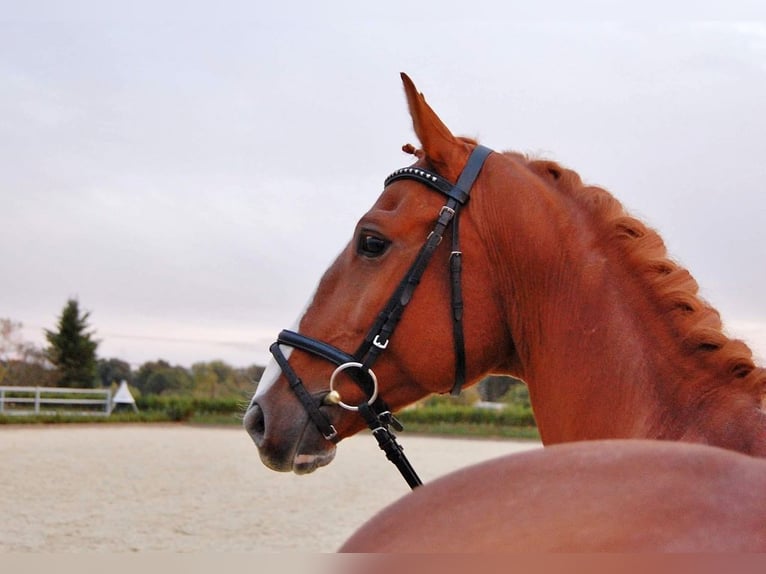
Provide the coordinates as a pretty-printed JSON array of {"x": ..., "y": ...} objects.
[{"x": 299, "y": 448}]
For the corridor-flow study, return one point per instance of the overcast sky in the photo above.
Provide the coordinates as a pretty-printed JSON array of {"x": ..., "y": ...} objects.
[{"x": 187, "y": 171}]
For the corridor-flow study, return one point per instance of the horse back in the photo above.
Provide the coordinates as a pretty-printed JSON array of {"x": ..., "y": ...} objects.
[{"x": 616, "y": 496}]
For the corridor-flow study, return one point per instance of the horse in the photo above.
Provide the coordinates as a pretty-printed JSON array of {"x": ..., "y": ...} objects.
[
  {"x": 591, "y": 496},
  {"x": 545, "y": 278}
]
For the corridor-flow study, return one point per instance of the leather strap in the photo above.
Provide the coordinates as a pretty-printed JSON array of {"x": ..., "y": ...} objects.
[
  {"x": 309, "y": 403},
  {"x": 389, "y": 445},
  {"x": 465, "y": 182}
]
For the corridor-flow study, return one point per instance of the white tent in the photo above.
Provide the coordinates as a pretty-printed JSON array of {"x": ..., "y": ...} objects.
[{"x": 123, "y": 397}]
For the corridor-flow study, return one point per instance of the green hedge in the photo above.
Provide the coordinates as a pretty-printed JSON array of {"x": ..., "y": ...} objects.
[
  {"x": 434, "y": 412},
  {"x": 511, "y": 415},
  {"x": 184, "y": 408},
  {"x": 440, "y": 415}
]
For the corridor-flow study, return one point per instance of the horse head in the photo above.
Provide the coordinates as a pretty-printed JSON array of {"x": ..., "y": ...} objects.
[{"x": 416, "y": 359}]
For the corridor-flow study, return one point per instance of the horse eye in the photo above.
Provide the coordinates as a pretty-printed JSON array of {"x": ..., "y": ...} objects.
[{"x": 372, "y": 245}]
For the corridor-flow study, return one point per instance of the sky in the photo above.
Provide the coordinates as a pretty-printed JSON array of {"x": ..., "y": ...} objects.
[{"x": 187, "y": 170}]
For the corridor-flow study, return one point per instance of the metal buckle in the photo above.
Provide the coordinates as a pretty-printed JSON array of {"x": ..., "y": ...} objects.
[
  {"x": 378, "y": 344},
  {"x": 429, "y": 238},
  {"x": 448, "y": 210},
  {"x": 333, "y": 435}
]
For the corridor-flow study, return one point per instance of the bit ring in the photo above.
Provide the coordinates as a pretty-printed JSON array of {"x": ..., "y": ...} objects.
[{"x": 348, "y": 365}]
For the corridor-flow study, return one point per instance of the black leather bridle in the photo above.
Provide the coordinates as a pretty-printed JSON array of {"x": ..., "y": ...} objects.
[{"x": 375, "y": 412}]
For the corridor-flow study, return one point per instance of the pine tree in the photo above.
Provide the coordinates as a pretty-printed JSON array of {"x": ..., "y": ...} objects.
[{"x": 72, "y": 349}]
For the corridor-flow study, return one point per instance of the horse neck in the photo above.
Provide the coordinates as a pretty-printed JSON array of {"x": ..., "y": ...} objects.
[{"x": 595, "y": 343}]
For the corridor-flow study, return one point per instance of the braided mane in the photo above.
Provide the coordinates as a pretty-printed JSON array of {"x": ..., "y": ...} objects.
[{"x": 674, "y": 289}]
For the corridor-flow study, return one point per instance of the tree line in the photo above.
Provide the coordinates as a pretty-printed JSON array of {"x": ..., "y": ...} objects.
[{"x": 70, "y": 360}]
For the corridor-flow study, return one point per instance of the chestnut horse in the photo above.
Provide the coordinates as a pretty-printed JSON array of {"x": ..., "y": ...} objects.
[
  {"x": 559, "y": 287},
  {"x": 591, "y": 496}
]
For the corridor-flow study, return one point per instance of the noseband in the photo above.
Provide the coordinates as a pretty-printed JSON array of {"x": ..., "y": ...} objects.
[{"x": 375, "y": 412}]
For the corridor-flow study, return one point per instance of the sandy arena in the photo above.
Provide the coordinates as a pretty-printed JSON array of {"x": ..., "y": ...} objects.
[{"x": 178, "y": 488}]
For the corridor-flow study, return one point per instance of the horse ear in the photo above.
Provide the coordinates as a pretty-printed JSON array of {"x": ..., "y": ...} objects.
[{"x": 443, "y": 149}]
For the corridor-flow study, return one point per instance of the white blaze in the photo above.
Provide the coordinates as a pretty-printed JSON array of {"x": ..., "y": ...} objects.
[{"x": 273, "y": 371}]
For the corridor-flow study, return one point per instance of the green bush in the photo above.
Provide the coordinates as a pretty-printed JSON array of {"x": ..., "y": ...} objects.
[
  {"x": 179, "y": 408},
  {"x": 511, "y": 415}
]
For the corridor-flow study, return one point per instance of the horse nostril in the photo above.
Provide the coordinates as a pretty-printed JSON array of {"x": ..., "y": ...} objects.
[{"x": 255, "y": 423}]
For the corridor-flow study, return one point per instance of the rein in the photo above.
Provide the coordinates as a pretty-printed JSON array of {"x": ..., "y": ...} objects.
[{"x": 375, "y": 412}]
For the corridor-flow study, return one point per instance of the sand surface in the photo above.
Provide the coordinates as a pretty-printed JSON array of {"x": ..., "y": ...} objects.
[{"x": 178, "y": 488}]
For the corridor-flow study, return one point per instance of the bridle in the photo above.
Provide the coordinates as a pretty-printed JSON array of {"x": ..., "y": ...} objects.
[{"x": 375, "y": 412}]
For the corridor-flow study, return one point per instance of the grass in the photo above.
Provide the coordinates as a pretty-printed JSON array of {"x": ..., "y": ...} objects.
[
  {"x": 62, "y": 418},
  {"x": 468, "y": 430},
  {"x": 438, "y": 416},
  {"x": 140, "y": 417},
  {"x": 449, "y": 429}
]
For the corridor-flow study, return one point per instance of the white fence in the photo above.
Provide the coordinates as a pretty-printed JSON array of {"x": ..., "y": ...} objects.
[{"x": 53, "y": 400}]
